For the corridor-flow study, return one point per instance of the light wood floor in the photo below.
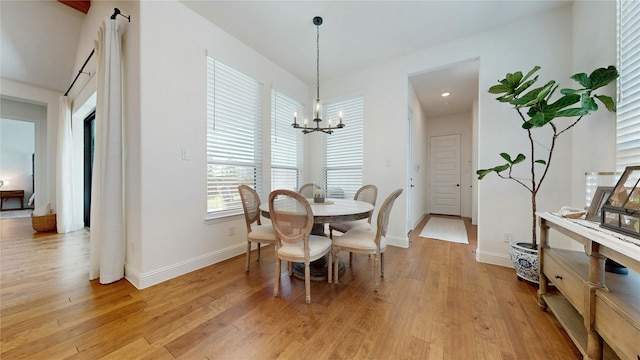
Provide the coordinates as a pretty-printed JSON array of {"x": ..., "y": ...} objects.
[{"x": 435, "y": 302}]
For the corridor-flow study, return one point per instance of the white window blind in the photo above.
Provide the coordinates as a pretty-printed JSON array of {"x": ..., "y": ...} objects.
[
  {"x": 286, "y": 143},
  {"x": 234, "y": 110},
  {"x": 344, "y": 149},
  {"x": 628, "y": 112}
]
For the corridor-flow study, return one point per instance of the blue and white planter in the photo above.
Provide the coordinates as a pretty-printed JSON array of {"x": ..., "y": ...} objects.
[{"x": 525, "y": 261}]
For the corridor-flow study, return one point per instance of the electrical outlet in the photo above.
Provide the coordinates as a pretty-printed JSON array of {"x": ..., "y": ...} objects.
[
  {"x": 232, "y": 230},
  {"x": 508, "y": 237}
]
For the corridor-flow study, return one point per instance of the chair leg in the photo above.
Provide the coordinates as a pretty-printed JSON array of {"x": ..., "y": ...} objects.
[
  {"x": 381, "y": 264},
  {"x": 290, "y": 268},
  {"x": 376, "y": 265},
  {"x": 276, "y": 282},
  {"x": 350, "y": 258},
  {"x": 248, "y": 255},
  {"x": 258, "y": 251},
  {"x": 335, "y": 267},
  {"x": 330, "y": 267},
  {"x": 307, "y": 282}
]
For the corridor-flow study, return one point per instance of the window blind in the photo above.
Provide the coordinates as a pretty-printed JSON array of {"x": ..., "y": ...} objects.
[
  {"x": 344, "y": 149},
  {"x": 286, "y": 143},
  {"x": 628, "y": 112},
  {"x": 234, "y": 110}
]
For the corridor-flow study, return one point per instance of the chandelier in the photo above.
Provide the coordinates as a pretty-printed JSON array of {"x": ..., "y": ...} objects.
[{"x": 306, "y": 129}]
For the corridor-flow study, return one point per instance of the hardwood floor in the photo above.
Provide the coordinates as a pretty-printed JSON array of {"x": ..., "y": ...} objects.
[{"x": 435, "y": 302}]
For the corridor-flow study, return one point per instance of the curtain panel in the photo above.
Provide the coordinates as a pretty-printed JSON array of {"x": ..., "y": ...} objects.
[{"x": 107, "y": 250}]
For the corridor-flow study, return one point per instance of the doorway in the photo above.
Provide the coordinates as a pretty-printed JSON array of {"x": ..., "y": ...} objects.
[
  {"x": 444, "y": 102},
  {"x": 89, "y": 145}
]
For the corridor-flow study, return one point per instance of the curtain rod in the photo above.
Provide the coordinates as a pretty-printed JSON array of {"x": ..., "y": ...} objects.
[
  {"x": 80, "y": 72},
  {"x": 116, "y": 12}
]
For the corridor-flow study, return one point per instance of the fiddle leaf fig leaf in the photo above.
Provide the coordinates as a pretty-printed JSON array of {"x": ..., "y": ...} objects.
[
  {"x": 572, "y": 112},
  {"x": 536, "y": 121},
  {"x": 607, "y": 101},
  {"x": 531, "y": 72},
  {"x": 540, "y": 161},
  {"x": 564, "y": 102},
  {"x": 501, "y": 168},
  {"x": 602, "y": 77},
  {"x": 569, "y": 91},
  {"x": 514, "y": 79},
  {"x": 506, "y": 157},
  {"x": 588, "y": 103},
  {"x": 520, "y": 158},
  {"x": 499, "y": 89},
  {"x": 582, "y": 79},
  {"x": 525, "y": 85},
  {"x": 483, "y": 172}
]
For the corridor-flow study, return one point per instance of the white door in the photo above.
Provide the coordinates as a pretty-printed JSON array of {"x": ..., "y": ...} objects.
[{"x": 445, "y": 174}]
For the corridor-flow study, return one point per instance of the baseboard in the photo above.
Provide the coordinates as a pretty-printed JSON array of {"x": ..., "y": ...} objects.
[
  {"x": 398, "y": 241},
  {"x": 493, "y": 258},
  {"x": 151, "y": 278}
]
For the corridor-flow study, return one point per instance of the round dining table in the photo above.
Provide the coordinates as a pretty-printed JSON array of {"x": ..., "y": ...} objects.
[{"x": 330, "y": 211}]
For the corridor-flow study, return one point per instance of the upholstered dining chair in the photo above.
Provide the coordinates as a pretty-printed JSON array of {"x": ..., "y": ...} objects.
[
  {"x": 292, "y": 220},
  {"x": 367, "y": 241},
  {"x": 367, "y": 193},
  {"x": 256, "y": 232},
  {"x": 306, "y": 190}
]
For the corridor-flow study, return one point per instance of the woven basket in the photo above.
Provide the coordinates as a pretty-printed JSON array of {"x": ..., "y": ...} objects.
[{"x": 44, "y": 222}]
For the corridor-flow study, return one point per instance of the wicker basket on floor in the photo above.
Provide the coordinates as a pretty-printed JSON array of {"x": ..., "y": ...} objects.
[{"x": 44, "y": 222}]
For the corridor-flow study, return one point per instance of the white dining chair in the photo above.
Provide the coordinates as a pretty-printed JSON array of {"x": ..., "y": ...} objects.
[
  {"x": 256, "y": 232},
  {"x": 292, "y": 220},
  {"x": 367, "y": 241}
]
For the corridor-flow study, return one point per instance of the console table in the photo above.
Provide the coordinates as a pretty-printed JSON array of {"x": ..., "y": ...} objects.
[
  {"x": 599, "y": 310},
  {"x": 11, "y": 194}
]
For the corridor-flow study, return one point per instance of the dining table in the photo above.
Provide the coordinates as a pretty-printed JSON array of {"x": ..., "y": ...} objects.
[{"x": 330, "y": 211}]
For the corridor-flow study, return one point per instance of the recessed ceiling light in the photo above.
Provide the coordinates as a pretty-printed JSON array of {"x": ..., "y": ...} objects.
[{"x": 444, "y": 94}]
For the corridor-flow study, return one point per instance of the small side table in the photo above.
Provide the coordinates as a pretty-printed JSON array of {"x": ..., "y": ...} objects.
[{"x": 11, "y": 194}]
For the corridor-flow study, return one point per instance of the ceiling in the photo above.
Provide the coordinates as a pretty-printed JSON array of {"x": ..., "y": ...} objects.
[{"x": 355, "y": 34}]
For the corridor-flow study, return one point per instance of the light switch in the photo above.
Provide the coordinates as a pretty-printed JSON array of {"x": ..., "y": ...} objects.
[{"x": 186, "y": 154}]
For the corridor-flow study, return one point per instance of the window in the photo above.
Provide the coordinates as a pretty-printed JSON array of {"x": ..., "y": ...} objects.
[
  {"x": 234, "y": 111},
  {"x": 344, "y": 149},
  {"x": 286, "y": 143},
  {"x": 628, "y": 113}
]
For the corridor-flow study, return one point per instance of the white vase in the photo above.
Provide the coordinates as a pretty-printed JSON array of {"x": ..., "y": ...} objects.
[{"x": 525, "y": 261}]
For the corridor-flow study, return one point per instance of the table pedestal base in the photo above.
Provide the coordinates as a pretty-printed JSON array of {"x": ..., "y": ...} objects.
[{"x": 318, "y": 269}]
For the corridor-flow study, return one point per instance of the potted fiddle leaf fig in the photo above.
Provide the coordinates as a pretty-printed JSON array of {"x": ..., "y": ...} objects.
[{"x": 538, "y": 108}]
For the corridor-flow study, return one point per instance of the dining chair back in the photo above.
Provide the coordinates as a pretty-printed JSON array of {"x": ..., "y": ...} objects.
[
  {"x": 368, "y": 242},
  {"x": 292, "y": 220},
  {"x": 367, "y": 193},
  {"x": 256, "y": 232},
  {"x": 306, "y": 190}
]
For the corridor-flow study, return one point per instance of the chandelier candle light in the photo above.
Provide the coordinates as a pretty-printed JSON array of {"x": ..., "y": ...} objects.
[{"x": 317, "y": 21}]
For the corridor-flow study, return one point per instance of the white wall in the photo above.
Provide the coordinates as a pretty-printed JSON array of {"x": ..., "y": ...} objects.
[
  {"x": 419, "y": 168},
  {"x": 594, "y": 140},
  {"x": 17, "y": 145}
]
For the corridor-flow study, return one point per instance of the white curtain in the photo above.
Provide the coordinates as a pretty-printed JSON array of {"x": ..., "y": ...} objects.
[
  {"x": 69, "y": 218},
  {"x": 107, "y": 203}
]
